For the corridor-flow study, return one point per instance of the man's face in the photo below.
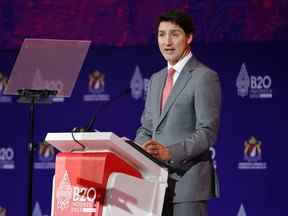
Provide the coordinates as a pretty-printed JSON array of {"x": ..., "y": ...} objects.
[{"x": 173, "y": 42}]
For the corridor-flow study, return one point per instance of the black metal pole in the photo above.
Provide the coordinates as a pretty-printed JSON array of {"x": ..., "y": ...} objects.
[
  {"x": 31, "y": 149},
  {"x": 32, "y": 97}
]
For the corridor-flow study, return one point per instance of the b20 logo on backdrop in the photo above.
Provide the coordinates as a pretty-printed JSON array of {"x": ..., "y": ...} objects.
[
  {"x": 7, "y": 158},
  {"x": 254, "y": 86}
]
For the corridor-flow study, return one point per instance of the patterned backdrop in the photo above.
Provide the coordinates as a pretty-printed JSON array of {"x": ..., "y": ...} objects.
[{"x": 130, "y": 22}]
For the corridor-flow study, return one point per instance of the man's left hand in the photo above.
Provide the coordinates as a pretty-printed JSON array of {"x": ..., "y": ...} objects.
[{"x": 158, "y": 150}]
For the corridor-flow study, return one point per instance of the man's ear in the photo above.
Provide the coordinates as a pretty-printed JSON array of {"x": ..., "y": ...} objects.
[{"x": 189, "y": 39}]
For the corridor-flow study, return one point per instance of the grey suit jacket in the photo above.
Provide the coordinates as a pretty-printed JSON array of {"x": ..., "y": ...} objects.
[{"x": 188, "y": 126}]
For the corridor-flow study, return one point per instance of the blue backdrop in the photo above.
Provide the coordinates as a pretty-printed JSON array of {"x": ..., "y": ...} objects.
[{"x": 250, "y": 151}]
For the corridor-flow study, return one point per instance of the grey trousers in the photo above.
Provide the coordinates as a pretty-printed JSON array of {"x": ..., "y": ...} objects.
[{"x": 199, "y": 208}]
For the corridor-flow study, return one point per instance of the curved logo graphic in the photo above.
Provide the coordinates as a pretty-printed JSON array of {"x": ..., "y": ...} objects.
[
  {"x": 243, "y": 81},
  {"x": 3, "y": 86},
  {"x": 252, "y": 150},
  {"x": 137, "y": 84},
  {"x": 64, "y": 192},
  {"x": 96, "y": 82},
  {"x": 252, "y": 155},
  {"x": 3, "y": 83},
  {"x": 46, "y": 152},
  {"x": 96, "y": 87}
]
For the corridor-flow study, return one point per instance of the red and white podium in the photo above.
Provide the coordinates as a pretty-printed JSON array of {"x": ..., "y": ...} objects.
[{"x": 107, "y": 178}]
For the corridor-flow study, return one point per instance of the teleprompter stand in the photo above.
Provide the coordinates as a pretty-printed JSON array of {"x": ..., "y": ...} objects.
[
  {"x": 44, "y": 68},
  {"x": 33, "y": 97}
]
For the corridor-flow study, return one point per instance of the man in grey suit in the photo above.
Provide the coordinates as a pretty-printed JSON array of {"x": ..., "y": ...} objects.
[{"x": 180, "y": 121}]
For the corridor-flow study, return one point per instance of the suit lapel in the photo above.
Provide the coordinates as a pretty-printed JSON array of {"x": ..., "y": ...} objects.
[
  {"x": 160, "y": 88},
  {"x": 180, "y": 84}
]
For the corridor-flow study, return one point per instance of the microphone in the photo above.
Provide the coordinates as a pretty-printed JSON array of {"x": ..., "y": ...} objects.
[{"x": 88, "y": 127}]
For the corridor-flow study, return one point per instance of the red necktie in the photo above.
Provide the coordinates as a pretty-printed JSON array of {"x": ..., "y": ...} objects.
[{"x": 168, "y": 86}]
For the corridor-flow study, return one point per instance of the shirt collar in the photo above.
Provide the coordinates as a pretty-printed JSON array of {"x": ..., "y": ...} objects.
[{"x": 181, "y": 63}]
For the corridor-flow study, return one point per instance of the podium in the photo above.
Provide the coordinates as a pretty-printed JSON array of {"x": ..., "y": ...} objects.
[{"x": 99, "y": 174}]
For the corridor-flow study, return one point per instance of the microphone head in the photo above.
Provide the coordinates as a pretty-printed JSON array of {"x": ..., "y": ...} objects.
[{"x": 78, "y": 129}]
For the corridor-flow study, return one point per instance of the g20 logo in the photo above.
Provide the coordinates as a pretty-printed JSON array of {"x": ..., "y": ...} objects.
[
  {"x": 259, "y": 82},
  {"x": 6, "y": 154}
]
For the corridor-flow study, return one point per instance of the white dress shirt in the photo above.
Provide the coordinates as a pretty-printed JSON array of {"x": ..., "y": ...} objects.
[{"x": 179, "y": 66}]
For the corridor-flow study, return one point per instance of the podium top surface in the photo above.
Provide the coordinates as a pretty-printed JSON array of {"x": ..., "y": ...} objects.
[
  {"x": 47, "y": 64},
  {"x": 105, "y": 141},
  {"x": 65, "y": 142}
]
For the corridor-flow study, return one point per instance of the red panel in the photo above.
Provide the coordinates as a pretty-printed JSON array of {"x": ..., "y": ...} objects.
[{"x": 81, "y": 179}]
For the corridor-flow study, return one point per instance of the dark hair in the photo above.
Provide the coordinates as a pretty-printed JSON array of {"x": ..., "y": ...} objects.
[{"x": 179, "y": 18}]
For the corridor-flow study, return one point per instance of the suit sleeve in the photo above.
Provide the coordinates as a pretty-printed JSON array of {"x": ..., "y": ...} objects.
[
  {"x": 207, "y": 104},
  {"x": 144, "y": 132}
]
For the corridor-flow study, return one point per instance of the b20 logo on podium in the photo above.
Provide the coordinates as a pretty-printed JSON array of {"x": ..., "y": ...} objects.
[
  {"x": 64, "y": 192},
  {"x": 77, "y": 199},
  {"x": 82, "y": 194}
]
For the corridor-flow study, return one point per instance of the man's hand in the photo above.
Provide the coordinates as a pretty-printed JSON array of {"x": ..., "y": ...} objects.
[{"x": 158, "y": 150}]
